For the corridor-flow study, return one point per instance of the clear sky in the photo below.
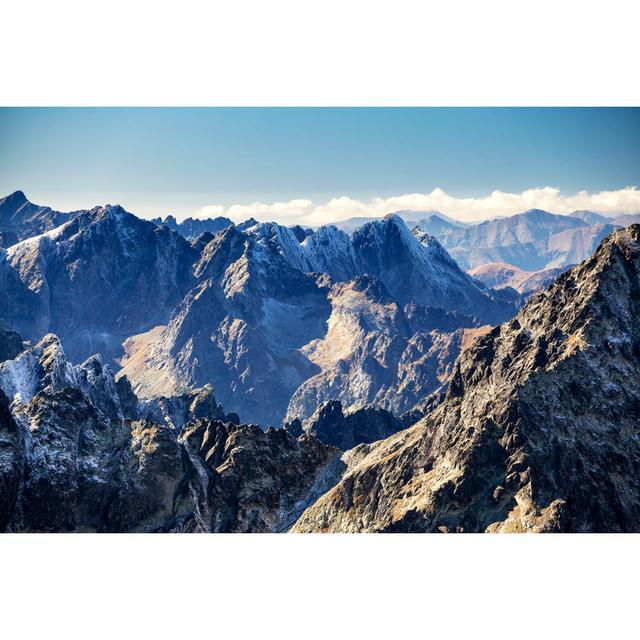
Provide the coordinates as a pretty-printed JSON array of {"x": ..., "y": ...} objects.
[{"x": 159, "y": 161}]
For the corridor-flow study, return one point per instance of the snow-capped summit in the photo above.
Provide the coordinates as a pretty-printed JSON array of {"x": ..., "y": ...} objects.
[
  {"x": 282, "y": 240},
  {"x": 411, "y": 269},
  {"x": 420, "y": 271}
]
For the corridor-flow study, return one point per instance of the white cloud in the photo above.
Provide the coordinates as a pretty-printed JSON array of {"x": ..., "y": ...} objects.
[{"x": 497, "y": 203}]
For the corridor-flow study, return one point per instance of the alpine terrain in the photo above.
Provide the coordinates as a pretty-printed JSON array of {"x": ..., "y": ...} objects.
[{"x": 404, "y": 373}]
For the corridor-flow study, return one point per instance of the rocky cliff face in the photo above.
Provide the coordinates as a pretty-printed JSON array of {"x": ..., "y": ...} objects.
[
  {"x": 78, "y": 453},
  {"x": 376, "y": 352},
  {"x": 250, "y": 480},
  {"x": 62, "y": 440},
  {"x": 176, "y": 411},
  {"x": 539, "y": 430}
]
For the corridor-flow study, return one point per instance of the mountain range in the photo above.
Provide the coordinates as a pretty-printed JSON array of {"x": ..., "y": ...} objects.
[
  {"x": 407, "y": 394},
  {"x": 534, "y": 240},
  {"x": 191, "y": 228},
  {"x": 277, "y": 326},
  {"x": 500, "y": 276}
]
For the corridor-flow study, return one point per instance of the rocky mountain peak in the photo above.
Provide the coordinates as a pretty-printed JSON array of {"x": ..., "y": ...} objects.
[
  {"x": 201, "y": 241},
  {"x": 387, "y": 229},
  {"x": 15, "y": 199},
  {"x": 21, "y": 219},
  {"x": 247, "y": 224},
  {"x": 87, "y": 279},
  {"x": 223, "y": 248},
  {"x": 281, "y": 240}
]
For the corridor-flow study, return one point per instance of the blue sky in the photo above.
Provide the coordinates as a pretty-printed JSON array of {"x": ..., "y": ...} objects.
[{"x": 156, "y": 161}]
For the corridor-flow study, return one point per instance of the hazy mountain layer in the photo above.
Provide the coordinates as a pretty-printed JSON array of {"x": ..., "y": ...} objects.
[
  {"x": 534, "y": 240},
  {"x": 499, "y": 275}
]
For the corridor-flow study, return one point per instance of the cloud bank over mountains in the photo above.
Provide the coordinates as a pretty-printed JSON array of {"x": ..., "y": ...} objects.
[{"x": 496, "y": 204}]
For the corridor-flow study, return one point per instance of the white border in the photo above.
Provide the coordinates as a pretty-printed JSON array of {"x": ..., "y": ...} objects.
[
  {"x": 334, "y": 52},
  {"x": 296, "y": 586}
]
